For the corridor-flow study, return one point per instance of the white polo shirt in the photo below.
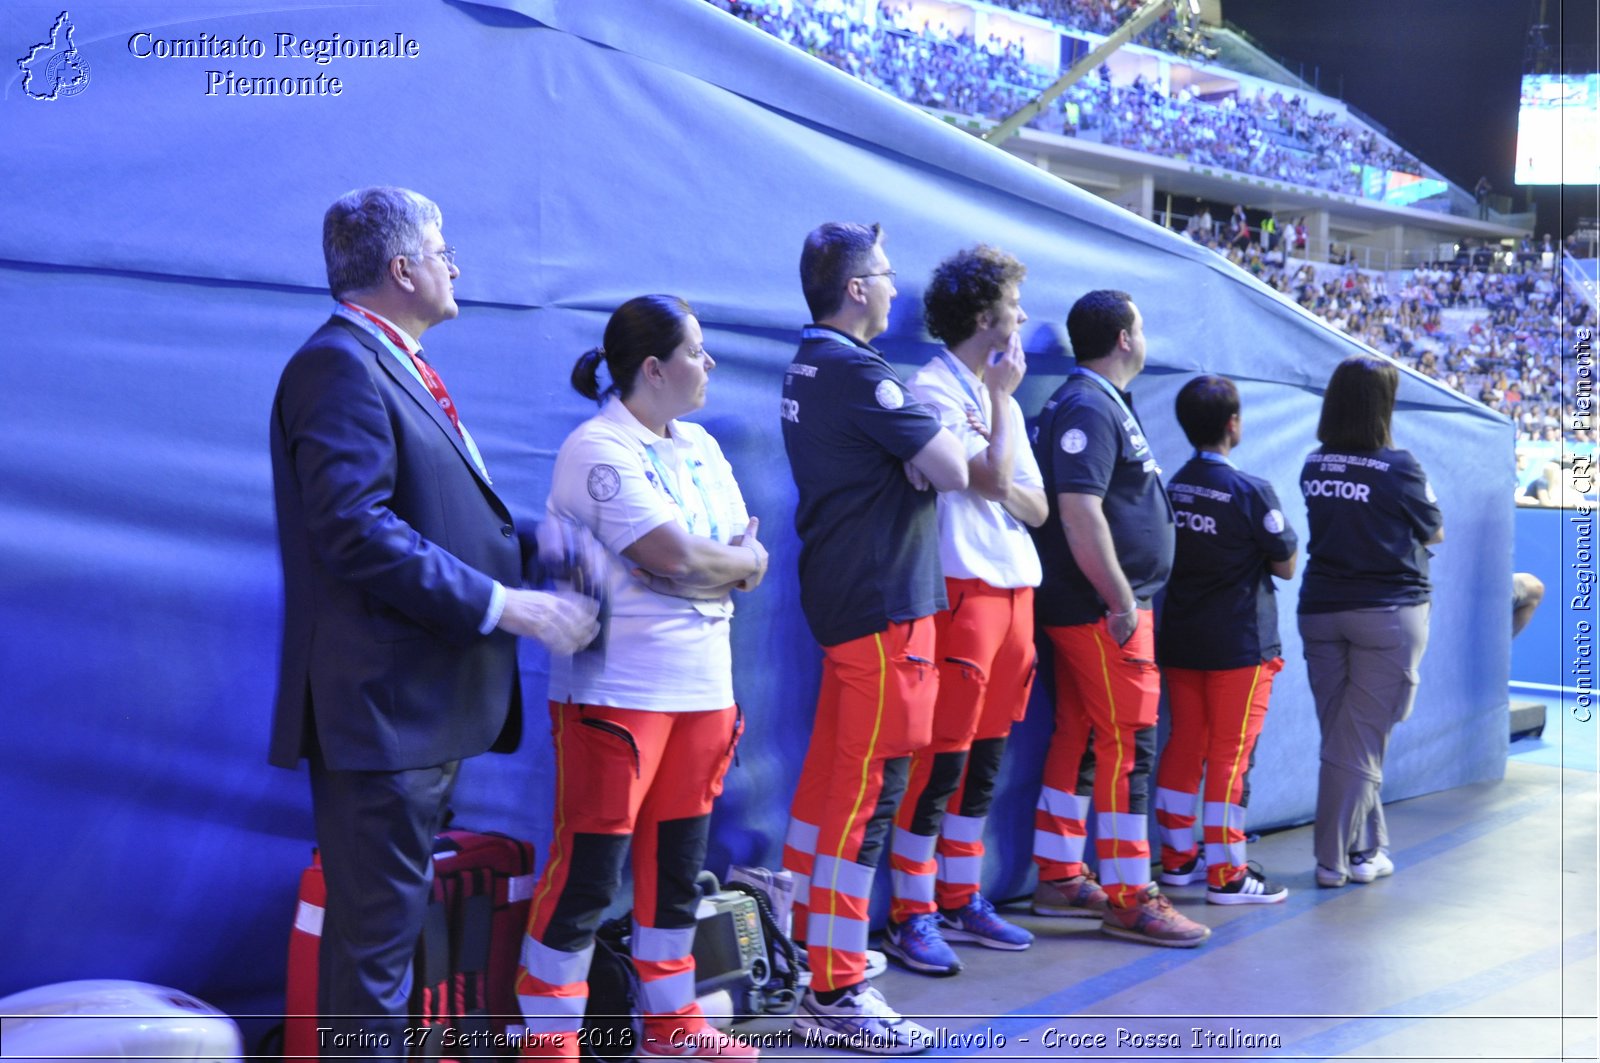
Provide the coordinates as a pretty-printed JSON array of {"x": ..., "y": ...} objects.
[
  {"x": 621, "y": 481},
  {"x": 978, "y": 539}
]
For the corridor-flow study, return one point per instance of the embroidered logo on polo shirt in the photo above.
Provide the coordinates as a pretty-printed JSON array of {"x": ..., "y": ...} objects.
[
  {"x": 889, "y": 395},
  {"x": 604, "y": 483},
  {"x": 1073, "y": 441},
  {"x": 1273, "y": 522}
]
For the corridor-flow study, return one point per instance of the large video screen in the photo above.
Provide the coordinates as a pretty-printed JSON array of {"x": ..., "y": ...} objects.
[{"x": 1558, "y": 130}]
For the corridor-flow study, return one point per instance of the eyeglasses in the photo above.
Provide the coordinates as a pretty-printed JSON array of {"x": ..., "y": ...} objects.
[
  {"x": 885, "y": 273},
  {"x": 448, "y": 254}
]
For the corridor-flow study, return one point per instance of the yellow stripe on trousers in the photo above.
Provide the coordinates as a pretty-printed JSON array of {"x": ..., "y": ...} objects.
[
  {"x": 1116, "y": 732},
  {"x": 861, "y": 793},
  {"x": 557, "y": 850},
  {"x": 1238, "y": 754}
]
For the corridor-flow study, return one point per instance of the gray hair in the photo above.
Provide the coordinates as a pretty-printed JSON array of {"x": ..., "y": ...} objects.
[{"x": 367, "y": 227}]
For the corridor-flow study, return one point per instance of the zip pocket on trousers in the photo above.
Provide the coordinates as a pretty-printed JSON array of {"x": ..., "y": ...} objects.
[{"x": 618, "y": 731}]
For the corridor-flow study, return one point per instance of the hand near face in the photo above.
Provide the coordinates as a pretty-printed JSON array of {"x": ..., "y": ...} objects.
[{"x": 1005, "y": 373}]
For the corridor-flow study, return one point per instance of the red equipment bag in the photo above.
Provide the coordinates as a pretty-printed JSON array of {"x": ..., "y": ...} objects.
[
  {"x": 300, "y": 996},
  {"x": 463, "y": 996}
]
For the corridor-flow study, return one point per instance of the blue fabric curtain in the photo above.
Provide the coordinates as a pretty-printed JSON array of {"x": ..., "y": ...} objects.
[{"x": 160, "y": 259}]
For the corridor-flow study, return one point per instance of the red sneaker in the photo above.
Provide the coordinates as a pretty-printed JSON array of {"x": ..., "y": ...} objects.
[{"x": 1154, "y": 921}]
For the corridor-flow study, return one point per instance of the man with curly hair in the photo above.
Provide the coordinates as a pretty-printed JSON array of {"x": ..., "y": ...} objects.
[{"x": 984, "y": 639}]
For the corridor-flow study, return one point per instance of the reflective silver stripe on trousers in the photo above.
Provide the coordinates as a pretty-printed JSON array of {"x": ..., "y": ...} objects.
[
  {"x": 966, "y": 829},
  {"x": 960, "y": 870},
  {"x": 552, "y": 1014},
  {"x": 653, "y": 944},
  {"x": 1065, "y": 848},
  {"x": 836, "y": 932},
  {"x": 553, "y": 965},
  {"x": 917, "y": 848},
  {"x": 1062, "y": 804},
  {"x": 843, "y": 876},
  {"x": 666, "y": 995}
]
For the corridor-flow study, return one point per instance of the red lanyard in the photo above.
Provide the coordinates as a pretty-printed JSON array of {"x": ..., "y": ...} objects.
[
  {"x": 436, "y": 389},
  {"x": 430, "y": 379}
]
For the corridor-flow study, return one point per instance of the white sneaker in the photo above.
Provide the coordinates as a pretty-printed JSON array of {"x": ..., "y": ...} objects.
[
  {"x": 861, "y": 1021},
  {"x": 1369, "y": 867}
]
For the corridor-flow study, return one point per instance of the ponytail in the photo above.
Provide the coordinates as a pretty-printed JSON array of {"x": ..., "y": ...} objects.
[
  {"x": 586, "y": 373},
  {"x": 648, "y": 326}
]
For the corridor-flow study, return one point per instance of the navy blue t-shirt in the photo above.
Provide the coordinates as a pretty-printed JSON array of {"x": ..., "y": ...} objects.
[
  {"x": 1221, "y": 610},
  {"x": 1087, "y": 443},
  {"x": 1370, "y": 512},
  {"x": 869, "y": 541}
]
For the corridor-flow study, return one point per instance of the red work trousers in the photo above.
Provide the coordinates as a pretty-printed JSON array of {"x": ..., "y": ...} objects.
[
  {"x": 986, "y": 660},
  {"x": 874, "y": 709},
  {"x": 1115, "y": 692},
  {"x": 623, "y": 775},
  {"x": 1216, "y": 719}
]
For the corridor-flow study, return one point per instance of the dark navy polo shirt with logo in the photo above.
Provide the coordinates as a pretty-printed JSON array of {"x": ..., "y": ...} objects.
[
  {"x": 1369, "y": 512},
  {"x": 1088, "y": 442},
  {"x": 869, "y": 553},
  {"x": 1221, "y": 610}
]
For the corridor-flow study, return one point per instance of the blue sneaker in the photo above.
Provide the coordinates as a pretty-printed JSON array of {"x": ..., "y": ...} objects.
[
  {"x": 918, "y": 944},
  {"x": 978, "y": 921}
]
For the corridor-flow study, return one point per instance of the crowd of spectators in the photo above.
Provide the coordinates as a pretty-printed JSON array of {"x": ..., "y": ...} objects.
[
  {"x": 935, "y": 66},
  {"x": 1499, "y": 337},
  {"x": 1276, "y": 135},
  {"x": 1096, "y": 16},
  {"x": 1509, "y": 355}
]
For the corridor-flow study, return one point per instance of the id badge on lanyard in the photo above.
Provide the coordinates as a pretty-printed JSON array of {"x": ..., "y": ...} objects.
[{"x": 665, "y": 482}]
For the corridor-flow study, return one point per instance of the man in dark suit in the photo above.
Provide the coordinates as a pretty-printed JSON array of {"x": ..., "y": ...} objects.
[{"x": 402, "y": 572}]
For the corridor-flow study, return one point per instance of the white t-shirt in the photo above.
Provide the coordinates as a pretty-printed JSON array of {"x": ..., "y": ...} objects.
[
  {"x": 620, "y": 481},
  {"x": 978, "y": 539}
]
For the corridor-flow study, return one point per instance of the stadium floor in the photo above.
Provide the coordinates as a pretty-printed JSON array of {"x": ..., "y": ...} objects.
[{"x": 1481, "y": 946}]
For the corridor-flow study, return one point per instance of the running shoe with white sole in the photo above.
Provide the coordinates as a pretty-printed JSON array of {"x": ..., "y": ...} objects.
[
  {"x": 862, "y": 1021},
  {"x": 1252, "y": 887},
  {"x": 1369, "y": 867},
  {"x": 1193, "y": 871},
  {"x": 918, "y": 944},
  {"x": 978, "y": 922}
]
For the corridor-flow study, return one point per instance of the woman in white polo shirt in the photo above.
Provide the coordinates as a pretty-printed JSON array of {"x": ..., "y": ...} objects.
[{"x": 644, "y": 720}]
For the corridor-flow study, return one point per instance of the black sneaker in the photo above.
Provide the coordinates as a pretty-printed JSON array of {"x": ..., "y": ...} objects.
[
  {"x": 1193, "y": 871},
  {"x": 1252, "y": 887}
]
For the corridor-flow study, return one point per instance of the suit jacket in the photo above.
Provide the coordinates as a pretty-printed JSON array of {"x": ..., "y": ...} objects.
[{"x": 391, "y": 541}]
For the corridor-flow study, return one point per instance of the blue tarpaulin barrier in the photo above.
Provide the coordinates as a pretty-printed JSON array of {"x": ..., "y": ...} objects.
[{"x": 160, "y": 259}]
